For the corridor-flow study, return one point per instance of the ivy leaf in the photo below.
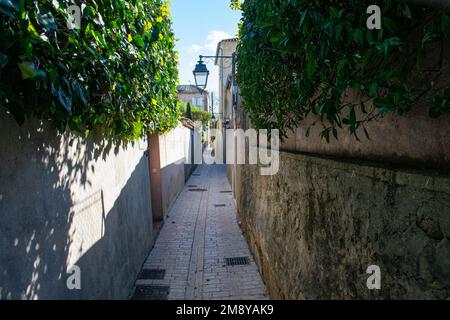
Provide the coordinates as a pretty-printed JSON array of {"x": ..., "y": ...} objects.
[
  {"x": 352, "y": 117},
  {"x": 440, "y": 104},
  {"x": 101, "y": 119},
  {"x": 358, "y": 36},
  {"x": 89, "y": 12},
  {"x": 406, "y": 11},
  {"x": 335, "y": 133},
  {"x": 390, "y": 24},
  {"x": 373, "y": 89},
  {"x": 428, "y": 36},
  {"x": 138, "y": 41},
  {"x": 310, "y": 66},
  {"x": 302, "y": 19},
  {"x": 12, "y": 4},
  {"x": 389, "y": 43},
  {"x": 46, "y": 19},
  {"x": 235, "y": 4},
  {"x": 7, "y": 7},
  {"x": 308, "y": 132},
  {"x": 326, "y": 134},
  {"x": 381, "y": 103},
  {"x": 137, "y": 129},
  {"x": 63, "y": 95},
  {"x": 28, "y": 70},
  {"x": 99, "y": 20},
  {"x": 79, "y": 92},
  {"x": 395, "y": 41},
  {"x": 338, "y": 31},
  {"x": 121, "y": 77},
  {"x": 31, "y": 29},
  {"x": 155, "y": 33},
  {"x": 99, "y": 38},
  {"x": 65, "y": 99},
  {"x": 74, "y": 124},
  {"x": 3, "y": 60}
]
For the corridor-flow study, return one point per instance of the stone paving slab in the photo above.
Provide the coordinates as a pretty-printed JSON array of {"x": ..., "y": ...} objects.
[{"x": 200, "y": 231}]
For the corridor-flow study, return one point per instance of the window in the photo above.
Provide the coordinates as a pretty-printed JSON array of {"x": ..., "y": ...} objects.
[{"x": 197, "y": 102}]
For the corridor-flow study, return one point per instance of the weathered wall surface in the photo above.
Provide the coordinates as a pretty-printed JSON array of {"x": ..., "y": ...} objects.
[
  {"x": 174, "y": 153},
  {"x": 316, "y": 226},
  {"x": 395, "y": 139},
  {"x": 66, "y": 201},
  {"x": 193, "y": 153},
  {"x": 180, "y": 150}
]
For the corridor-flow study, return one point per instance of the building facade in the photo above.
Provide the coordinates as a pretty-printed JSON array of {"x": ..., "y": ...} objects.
[
  {"x": 193, "y": 95},
  {"x": 226, "y": 114},
  {"x": 227, "y": 48}
]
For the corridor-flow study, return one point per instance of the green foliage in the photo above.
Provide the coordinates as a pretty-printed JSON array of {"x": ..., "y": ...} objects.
[
  {"x": 196, "y": 114},
  {"x": 188, "y": 111},
  {"x": 302, "y": 57},
  {"x": 236, "y": 4},
  {"x": 117, "y": 74}
]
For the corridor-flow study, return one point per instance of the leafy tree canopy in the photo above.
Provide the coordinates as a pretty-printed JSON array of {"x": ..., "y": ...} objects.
[
  {"x": 302, "y": 57},
  {"x": 116, "y": 74}
]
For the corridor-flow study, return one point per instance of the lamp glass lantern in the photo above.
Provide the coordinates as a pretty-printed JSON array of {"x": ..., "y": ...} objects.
[{"x": 201, "y": 74}]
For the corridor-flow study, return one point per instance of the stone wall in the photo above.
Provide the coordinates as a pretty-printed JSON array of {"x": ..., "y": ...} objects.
[
  {"x": 66, "y": 201},
  {"x": 316, "y": 226}
]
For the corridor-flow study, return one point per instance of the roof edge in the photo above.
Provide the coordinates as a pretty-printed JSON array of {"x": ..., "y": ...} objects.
[{"x": 220, "y": 43}]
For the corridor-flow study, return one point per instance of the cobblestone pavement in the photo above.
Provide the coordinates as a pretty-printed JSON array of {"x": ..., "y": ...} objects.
[{"x": 200, "y": 232}]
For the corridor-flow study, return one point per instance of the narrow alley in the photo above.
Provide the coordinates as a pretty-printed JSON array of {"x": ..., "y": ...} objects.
[
  {"x": 200, "y": 253},
  {"x": 173, "y": 151}
]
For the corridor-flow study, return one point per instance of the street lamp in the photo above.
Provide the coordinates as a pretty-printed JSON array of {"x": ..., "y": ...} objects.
[{"x": 201, "y": 74}]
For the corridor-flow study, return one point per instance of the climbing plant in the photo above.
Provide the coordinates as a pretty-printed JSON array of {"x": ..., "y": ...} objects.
[
  {"x": 303, "y": 57},
  {"x": 117, "y": 73}
]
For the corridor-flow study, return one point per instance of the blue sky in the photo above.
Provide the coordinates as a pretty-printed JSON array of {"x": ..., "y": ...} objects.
[{"x": 199, "y": 25}]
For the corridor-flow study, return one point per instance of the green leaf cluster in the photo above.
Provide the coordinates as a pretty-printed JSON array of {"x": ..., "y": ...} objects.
[
  {"x": 196, "y": 114},
  {"x": 117, "y": 74},
  {"x": 303, "y": 57}
]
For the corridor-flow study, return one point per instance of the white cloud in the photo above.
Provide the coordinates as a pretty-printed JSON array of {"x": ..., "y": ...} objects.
[
  {"x": 214, "y": 37},
  {"x": 194, "y": 48},
  {"x": 189, "y": 56},
  {"x": 211, "y": 41}
]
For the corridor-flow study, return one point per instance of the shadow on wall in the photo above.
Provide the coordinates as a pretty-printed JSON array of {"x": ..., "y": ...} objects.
[
  {"x": 172, "y": 183},
  {"x": 173, "y": 158},
  {"x": 111, "y": 265},
  {"x": 39, "y": 169}
]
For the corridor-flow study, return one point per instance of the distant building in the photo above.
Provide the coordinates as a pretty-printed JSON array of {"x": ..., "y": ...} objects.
[
  {"x": 225, "y": 48},
  {"x": 193, "y": 95},
  {"x": 226, "y": 114}
]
